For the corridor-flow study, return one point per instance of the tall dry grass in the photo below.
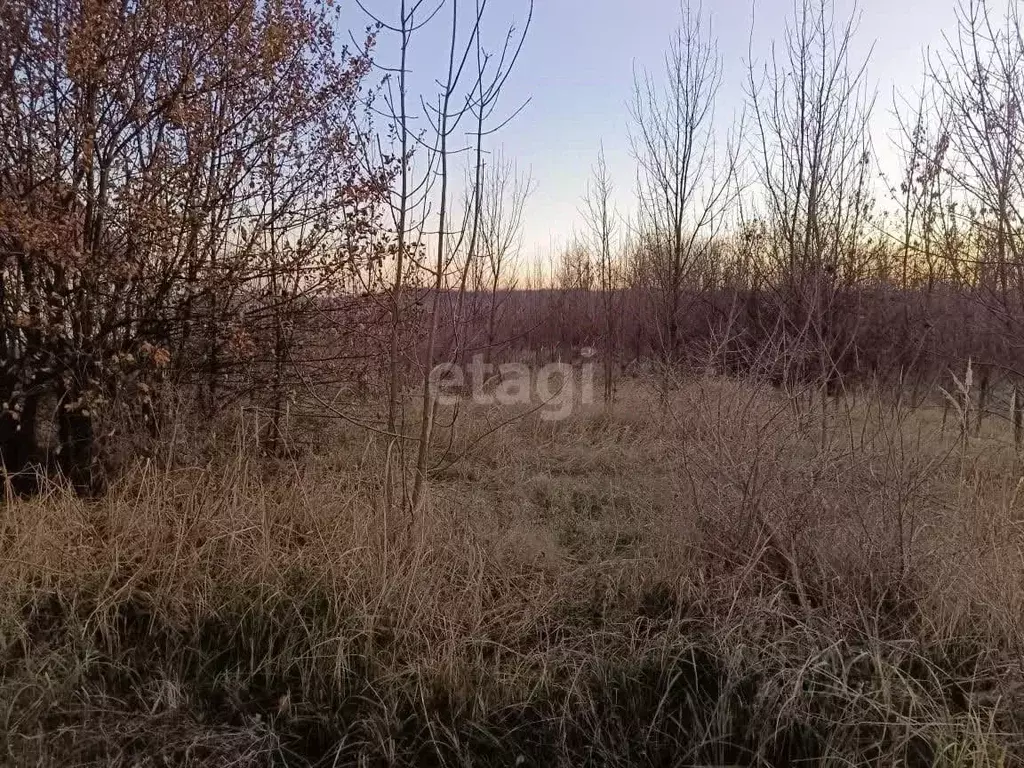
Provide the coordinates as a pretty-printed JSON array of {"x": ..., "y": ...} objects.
[{"x": 724, "y": 574}]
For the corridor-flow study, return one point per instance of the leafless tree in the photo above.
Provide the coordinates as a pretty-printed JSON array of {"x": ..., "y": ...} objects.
[
  {"x": 920, "y": 195},
  {"x": 504, "y": 192},
  {"x": 810, "y": 106},
  {"x": 603, "y": 225},
  {"x": 981, "y": 79},
  {"x": 433, "y": 246},
  {"x": 575, "y": 269},
  {"x": 454, "y": 104},
  {"x": 684, "y": 177}
]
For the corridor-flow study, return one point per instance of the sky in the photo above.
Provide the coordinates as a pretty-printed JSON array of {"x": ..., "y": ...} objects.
[{"x": 577, "y": 70}]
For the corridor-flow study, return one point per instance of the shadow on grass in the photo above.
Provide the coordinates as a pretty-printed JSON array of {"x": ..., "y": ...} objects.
[{"x": 271, "y": 680}]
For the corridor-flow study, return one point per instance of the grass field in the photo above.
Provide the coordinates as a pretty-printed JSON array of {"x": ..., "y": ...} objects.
[{"x": 718, "y": 576}]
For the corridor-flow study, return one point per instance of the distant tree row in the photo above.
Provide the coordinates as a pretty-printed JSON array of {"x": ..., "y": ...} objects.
[{"x": 778, "y": 241}]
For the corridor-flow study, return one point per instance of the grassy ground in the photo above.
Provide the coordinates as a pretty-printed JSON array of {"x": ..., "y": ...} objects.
[{"x": 722, "y": 576}]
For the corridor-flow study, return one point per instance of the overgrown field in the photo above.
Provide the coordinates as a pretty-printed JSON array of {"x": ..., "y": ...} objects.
[{"x": 722, "y": 575}]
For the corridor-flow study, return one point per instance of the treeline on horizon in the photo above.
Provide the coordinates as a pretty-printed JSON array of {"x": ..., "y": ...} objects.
[{"x": 238, "y": 204}]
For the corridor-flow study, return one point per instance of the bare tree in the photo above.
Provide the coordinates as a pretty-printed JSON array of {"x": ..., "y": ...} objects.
[
  {"x": 434, "y": 248},
  {"x": 982, "y": 82},
  {"x": 575, "y": 269},
  {"x": 920, "y": 194},
  {"x": 810, "y": 107},
  {"x": 603, "y": 226},
  {"x": 684, "y": 184},
  {"x": 504, "y": 191},
  {"x": 452, "y": 107}
]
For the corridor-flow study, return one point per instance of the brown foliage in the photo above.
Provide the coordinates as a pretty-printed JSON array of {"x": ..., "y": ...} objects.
[{"x": 168, "y": 168}]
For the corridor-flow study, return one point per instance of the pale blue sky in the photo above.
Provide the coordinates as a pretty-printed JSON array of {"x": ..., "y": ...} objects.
[{"x": 577, "y": 69}]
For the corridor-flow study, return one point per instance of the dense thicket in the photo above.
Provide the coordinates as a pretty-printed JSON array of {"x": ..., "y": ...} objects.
[{"x": 180, "y": 182}]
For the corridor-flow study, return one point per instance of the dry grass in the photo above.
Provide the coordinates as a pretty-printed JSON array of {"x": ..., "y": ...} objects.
[{"x": 713, "y": 578}]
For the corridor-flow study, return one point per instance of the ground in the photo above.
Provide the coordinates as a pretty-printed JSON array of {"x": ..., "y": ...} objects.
[{"x": 714, "y": 574}]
